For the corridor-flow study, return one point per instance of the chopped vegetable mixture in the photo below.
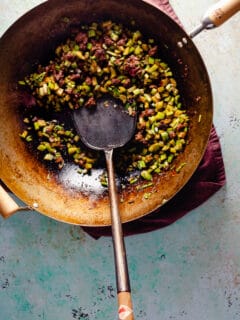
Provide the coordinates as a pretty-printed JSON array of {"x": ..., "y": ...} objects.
[{"x": 98, "y": 59}]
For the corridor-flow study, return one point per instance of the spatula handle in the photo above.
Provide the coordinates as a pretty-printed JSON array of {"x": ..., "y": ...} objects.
[
  {"x": 125, "y": 311},
  {"x": 125, "y": 308}
]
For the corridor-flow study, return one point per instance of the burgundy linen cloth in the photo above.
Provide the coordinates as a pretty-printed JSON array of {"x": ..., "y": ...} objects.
[{"x": 208, "y": 178}]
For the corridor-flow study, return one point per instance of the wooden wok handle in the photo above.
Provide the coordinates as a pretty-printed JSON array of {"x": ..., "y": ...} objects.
[
  {"x": 125, "y": 309},
  {"x": 7, "y": 205},
  {"x": 222, "y": 11},
  {"x": 217, "y": 15}
]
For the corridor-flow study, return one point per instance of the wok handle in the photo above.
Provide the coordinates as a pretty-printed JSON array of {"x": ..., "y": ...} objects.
[
  {"x": 125, "y": 310},
  {"x": 7, "y": 205},
  {"x": 216, "y": 15},
  {"x": 222, "y": 11}
]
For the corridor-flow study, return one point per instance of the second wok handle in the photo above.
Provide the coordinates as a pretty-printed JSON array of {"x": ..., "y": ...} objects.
[
  {"x": 222, "y": 11},
  {"x": 7, "y": 205},
  {"x": 217, "y": 15},
  {"x": 122, "y": 277}
]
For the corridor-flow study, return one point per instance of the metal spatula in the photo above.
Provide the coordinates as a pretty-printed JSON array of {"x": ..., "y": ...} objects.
[{"x": 105, "y": 127}]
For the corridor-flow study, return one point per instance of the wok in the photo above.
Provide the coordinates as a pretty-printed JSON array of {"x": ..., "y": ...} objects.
[{"x": 67, "y": 196}]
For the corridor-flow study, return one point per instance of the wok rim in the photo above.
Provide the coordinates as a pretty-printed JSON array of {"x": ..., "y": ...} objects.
[{"x": 72, "y": 221}]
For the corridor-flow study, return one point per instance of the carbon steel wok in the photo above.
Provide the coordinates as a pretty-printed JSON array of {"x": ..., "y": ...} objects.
[{"x": 67, "y": 196}]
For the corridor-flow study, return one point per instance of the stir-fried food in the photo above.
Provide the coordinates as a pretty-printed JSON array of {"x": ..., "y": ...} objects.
[{"x": 106, "y": 59}]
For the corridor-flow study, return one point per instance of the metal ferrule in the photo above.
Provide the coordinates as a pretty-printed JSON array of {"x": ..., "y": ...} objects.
[{"x": 205, "y": 24}]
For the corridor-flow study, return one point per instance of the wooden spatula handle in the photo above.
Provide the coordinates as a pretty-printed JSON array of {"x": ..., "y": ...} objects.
[{"x": 125, "y": 308}]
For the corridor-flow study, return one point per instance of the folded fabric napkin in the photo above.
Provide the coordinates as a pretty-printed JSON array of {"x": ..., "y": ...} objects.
[{"x": 208, "y": 178}]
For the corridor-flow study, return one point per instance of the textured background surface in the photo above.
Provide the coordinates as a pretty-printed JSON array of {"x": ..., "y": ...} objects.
[{"x": 189, "y": 270}]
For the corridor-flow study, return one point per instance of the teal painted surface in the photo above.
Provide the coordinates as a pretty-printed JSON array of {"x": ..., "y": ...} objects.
[
  {"x": 189, "y": 270},
  {"x": 50, "y": 270}
]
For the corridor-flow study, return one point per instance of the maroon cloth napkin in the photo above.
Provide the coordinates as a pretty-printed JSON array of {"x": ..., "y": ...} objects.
[{"x": 208, "y": 179}]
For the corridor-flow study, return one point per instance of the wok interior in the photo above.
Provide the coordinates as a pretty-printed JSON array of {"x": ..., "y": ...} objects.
[{"x": 30, "y": 41}]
